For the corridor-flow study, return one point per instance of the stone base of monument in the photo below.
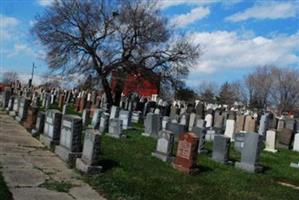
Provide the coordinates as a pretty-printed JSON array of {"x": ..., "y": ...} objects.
[
  {"x": 270, "y": 150},
  {"x": 88, "y": 169},
  {"x": 12, "y": 113},
  {"x": 67, "y": 156},
  {"x": 283, "y": 146},
  {"x": 163, "y": 157},
  {"x": 191, "y": 171},
  {"x": 295, "y": 165},
  {"x": 48, "y": 142},
  {"x": 34, "y": 133},
  {"x": 249, "y": 168}
]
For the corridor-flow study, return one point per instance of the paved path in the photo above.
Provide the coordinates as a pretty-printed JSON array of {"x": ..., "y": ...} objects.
[{"x": 29, "y": 169}]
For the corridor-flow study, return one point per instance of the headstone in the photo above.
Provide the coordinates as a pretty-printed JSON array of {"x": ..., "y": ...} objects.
[
  {"x": 31, "y": 118},
  {"x": 295, "y": 165},
  {"x": 270, "y": 141},
  {"x": 296, "y": 142},
  {"x": 285, "y": 137},
  {"x": 221, "y": 147},
  {"x": 280, "y": 124},
  {"x": 104, "y": 123},
  {"x": 218, "y": 120},
  {"x": 250, "y": 154},
  {"x": 64, "y": 107},
  {"x": 10, "y": 104},
  {"x": 136, "y": 116},
  {"x": 89, "y": 162},
  {"x": 40, "y": 123},
  {"x": 176, "y": 128},
  {"x": 209, "y": 120},
  {"x": 230, "y": 129},
  {"x": 290, "y": 124},
  {"x": 85, "y": 117},
  {"x": 125, "y": 116},
  {"x": 250, "y": 124},
  {"x": 201, "y": 123},
  {"x": 210, "y": 135},
  {"x": 6, "y": 97},
  {"x": 201, "y": 134},
  {"x": 15, "y": 109},
  {"x": 240, "y": 121},
  {"x": 200, "y": 110},
  {"x": 69, "y": 148},
  {"x": 115, "y": 128},
  {"x": 192, "y": 121},
  {"x": 186, "y": 156},
  {"x": 239, "y": 142},
  {"x": 164, "y": 146},
  {"x": 114, "y": 113},
  {"x": 52, "y": 128},
  {"x": 264, "y": 123},
  {"x": 96, "y": 118},
  {"x": 23, "y": 109},
  {"x": 152, "y": 125}
]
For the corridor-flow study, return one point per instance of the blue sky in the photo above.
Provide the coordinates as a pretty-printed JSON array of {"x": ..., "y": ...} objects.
[{"x": 235, "y": 35}]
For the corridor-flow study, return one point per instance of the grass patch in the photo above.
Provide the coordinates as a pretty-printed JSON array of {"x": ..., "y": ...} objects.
[
  {"x": 129, "y": 172},
  {"x": 57, "y": 186}
]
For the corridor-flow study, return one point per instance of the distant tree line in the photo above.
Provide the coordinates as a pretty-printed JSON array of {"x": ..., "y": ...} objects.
[{"x": 265, "y": 86}]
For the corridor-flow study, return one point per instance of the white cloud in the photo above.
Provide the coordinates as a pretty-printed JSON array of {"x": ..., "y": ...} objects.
[
  {"x": 7, "y": 25},
  {"x": 228, "y": 50},
  {"x": 45, "y": 2},
  {"x": 267, "y": 10},
  {"x": 169, "y": 3},
  {"x": 194, "y": 15},
  {"x": 20, "y": 48}
]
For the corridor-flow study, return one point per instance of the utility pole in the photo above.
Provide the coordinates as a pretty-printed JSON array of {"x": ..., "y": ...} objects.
[{"x": 32, "y": 73}]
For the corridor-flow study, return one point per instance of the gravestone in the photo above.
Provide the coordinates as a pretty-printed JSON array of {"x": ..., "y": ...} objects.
[
  {"x": 51, "y": 134},
  {"x": 264, "y": 124},
  {"x": 15, "y": 109},
  {"x": 184, "y": 119},
  {"x": 270, "y": 141},
  {"x": 96, "y": 118},
  {"x": 210, "y": 135},
  {"x": 114, "y": 113},
  {"x": 104, "y": 123},
  {"x": 115, "y": 128},
  {"x": 89, "y": 162},
  {"x": 186, "y": 156},
  {"x": 230, "y": 129},
  {"x": 201, "y": 134},
  {"x": 192, "y": 121},
  {"x": 280, "y": 124},
  {"x": 85, "y": 117},
  {"x": 200, "y": 110},
  {"x": 221, "y": 147},
  {"x": 239, "y": 125},
  {"x": 285, "y": 137},
  {"x": 250, "y": 154},
  {"x": 218, "y": 120},
  {"x": 10, "y": 104},
  {"x": 23, "y": 109},
  {"x": 176, "y": 128},
  {"x": 164, "y": 146},
  {"x": 239, "y": 142},
  {"x": 40, "y": 123},
  {"x": 165, "y": 122},
  {"x": 296, "y": 142},
  {"x": 290, "y": 124},
  {"x": 295, "y": 165},
  {"x": 136, "y": 116},
  {"x": 6, "y": 97},
  {"x": 201, "y": 123},
  {"x": 152, "y": 125},
  {"x": 250, "y": 124},
  {"x": 209, "y": 120},
  {"x": 125, "y": 116},
  {"x": 69, "y": 148},
  {"x": 31, "y": 118}
]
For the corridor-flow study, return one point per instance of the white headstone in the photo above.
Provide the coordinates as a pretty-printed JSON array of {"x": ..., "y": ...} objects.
[
  {"x": 270, "y": 141},
  {"x": 209, "y": 120},
  {"x": 296, "y": 142},
  {"x": 230, "y": 129}
]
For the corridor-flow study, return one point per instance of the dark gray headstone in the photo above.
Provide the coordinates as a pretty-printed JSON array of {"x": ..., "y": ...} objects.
[{"x": 221, "y": 148}]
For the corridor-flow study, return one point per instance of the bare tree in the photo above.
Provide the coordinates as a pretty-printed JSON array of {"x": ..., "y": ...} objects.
[
  {"x": 285, "y": 88},
  {"x": 207, "y": 91},
  {"x": 9, "y": 77},
  {"x": 97, "y": 38}
]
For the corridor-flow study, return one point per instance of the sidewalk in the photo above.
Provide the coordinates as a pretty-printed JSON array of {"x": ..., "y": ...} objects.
[{"x": 33, "y": 172}]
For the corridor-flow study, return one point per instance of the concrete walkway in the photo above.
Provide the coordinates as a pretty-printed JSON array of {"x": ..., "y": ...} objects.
[{"x": 33, "y": 172}]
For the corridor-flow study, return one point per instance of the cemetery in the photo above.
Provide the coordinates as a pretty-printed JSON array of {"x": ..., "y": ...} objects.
[{"x": 120, "y": 123}]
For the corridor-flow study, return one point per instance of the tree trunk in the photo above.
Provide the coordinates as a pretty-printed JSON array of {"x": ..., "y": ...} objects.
[
  {"x": 118, "y": 91},
  {"x": 108, "y": 91}
]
